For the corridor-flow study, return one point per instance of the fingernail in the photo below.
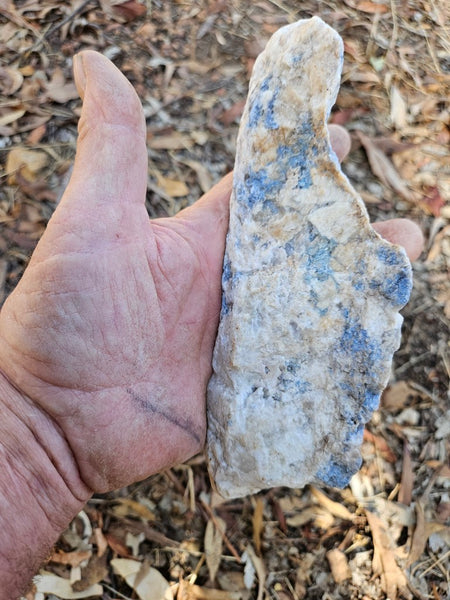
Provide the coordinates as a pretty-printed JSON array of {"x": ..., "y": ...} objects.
[{"x": 79, "y": 74}]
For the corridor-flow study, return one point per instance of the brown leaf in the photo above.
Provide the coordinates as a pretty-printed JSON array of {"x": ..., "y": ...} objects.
[
  {"x": 59, "y": 90},
  {"x": 433, "y": 202},
  {"x": 173, "y": 187},
  {"x": 381, "y": 445},
  {"x": 127, "y": 505},
  {"x": 338, "y": 565},
  {"x": 95, "y": 571},
  {"x": 123, "y": 11},
  {"x": 393, "y": 579},
  {"x": 213, "y": 542},
  {"x": 187, "y": 591},
  {"x": 419, "y": 539},
  {"x": 10, "y": 80},
  {"x": 232, "y": 114},
  {"x": 335, "y": 508},
  {"x": 36, "y": 135},
  {"x": 74, "y": 559},
  {"x": 26, "y": 162},
  {"x": 9, "y": 116},
  {"x": 172, "y": 141},
  {"x": 371, "y": 7},
  {"x": 258, "y": 523},
  {"x": 117, "y": 546},
  {"x": 390, "y": 146},
  {"x": 100, "y": 540},
  {"x": 396, "y": 396},
  {"x": 383, "y": 169},
  {"x": 407, "y": 480}
]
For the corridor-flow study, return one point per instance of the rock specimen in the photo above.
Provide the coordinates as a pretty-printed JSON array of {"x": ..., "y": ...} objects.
[{"x": 311, "y": 293}]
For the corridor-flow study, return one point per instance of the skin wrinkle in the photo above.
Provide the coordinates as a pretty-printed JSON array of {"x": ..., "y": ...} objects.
[
  {"x": 60, "y": 470},
  {"x": 184, "y": 424}
]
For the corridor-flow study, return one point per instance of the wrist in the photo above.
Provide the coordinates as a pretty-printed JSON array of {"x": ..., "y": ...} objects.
[{"x": 40, "y": 488}]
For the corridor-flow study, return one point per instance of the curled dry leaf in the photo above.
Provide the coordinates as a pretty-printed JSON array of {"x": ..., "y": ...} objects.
[
  {"x": 11, "y": 80},
  {"x": 59, "y": 90},
  {"x": 10, "y": 116},
  {"x": 382, "y": 168},
  {"x": 26, "y": 162}
]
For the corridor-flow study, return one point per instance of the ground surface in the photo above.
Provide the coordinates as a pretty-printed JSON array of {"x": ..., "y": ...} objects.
[{"x": 384, "y": 536}]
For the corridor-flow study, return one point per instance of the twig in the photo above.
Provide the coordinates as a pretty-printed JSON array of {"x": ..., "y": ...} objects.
[
  {"x": 37, "y": 45},
  {"x": 228, "y": 544}
]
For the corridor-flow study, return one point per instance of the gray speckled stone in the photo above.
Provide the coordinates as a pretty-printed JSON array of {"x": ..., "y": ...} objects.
[{"x": 311, "y": 293}]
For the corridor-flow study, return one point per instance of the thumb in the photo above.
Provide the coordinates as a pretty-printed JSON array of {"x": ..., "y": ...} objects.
[{"x": 110, "y": 170}]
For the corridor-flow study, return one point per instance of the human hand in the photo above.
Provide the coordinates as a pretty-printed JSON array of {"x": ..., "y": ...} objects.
[{"x": 111, "y": 330}]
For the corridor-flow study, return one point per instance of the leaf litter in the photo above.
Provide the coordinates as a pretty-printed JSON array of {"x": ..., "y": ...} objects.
[{"x": 386, "y": 535}]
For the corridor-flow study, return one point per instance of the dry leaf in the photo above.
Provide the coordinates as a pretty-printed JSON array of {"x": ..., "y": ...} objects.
[
  {"x": 203, "y": 175},
  {"x": 95, "y": 571},
  {"x": 126, "y": 506},
  {"x": 371, "y": 7},
  {"x": 396, "y": 396},
  {"x": 419, "y": 539},
  {"x": 258, "y": 523},
  {"x": 232, "y": 114},
  {"x": 10, "y": 80},
  {"x": 338, "y": 565},
  {"x": 117, "y": 545},
  {"x": 433, "y": 202},
  {"x": 147, "y": 582},
  {"x": 381, "y": 446},
  {"x": 172, "y": 141},
  {"x": 393, "y": 579},
  {"x": 47, "y": 583},
  {"x": 187, "y": 591},
  {"x": 60, "y": 91},
  {"x": 27, "y": 162},
  {"x": 11, "y": 115},
  {"x": 36, "y": 135},
  {"x": 173, "y": 187},
  {"x": 123, "y": 11},
  {"x": 321, "y": 517},
  {"x": 407, "y": 480},
  {"x": 383, "y": 169},
  {"x": 259, "y": 567},
  {"x": 335, "y": 508},
  {"x": 74, "y": 559},
  {"x": 399, "y": 112},
  {"x": 213, "y": 544}
]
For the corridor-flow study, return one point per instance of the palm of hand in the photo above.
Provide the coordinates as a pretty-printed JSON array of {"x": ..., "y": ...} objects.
[{"x": 111, "y": 332}]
